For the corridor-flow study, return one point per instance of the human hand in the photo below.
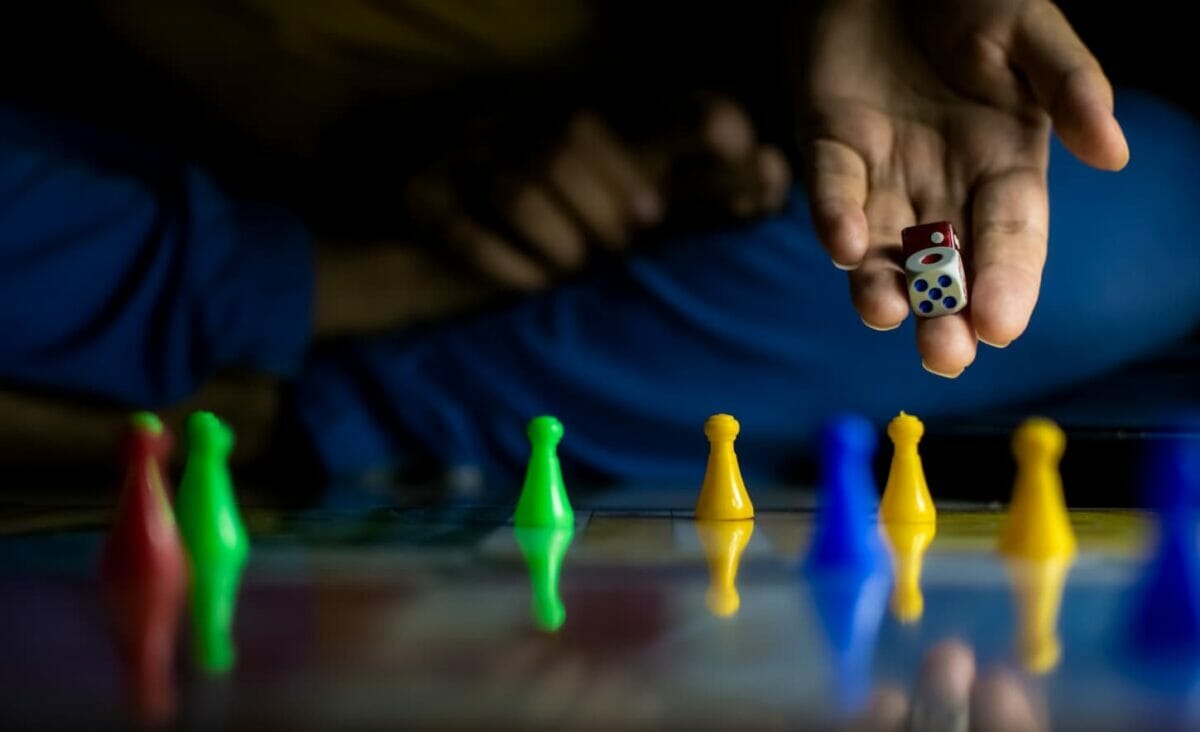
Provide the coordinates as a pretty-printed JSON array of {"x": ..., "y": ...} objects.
[
  {"x": 929, "y": 110},
  {"x": 950, "y": 695},
  {"x": 362, "y": 288},
  {"x": 536, "y": 220}
]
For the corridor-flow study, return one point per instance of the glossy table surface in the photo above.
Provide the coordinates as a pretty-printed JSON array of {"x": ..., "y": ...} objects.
[{"x": 383, "y": 616}]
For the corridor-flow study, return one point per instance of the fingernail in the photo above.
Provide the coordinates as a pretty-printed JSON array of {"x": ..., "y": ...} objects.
[
  {"x": 844, "y": 267},
  {"x": 989, "y": 343},
  {"x": 881, "y": 330},
  {"x": 954, "y": 375}
]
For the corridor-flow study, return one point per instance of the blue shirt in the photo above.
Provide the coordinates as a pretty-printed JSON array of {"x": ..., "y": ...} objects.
[{"x": 131, "y": 277}]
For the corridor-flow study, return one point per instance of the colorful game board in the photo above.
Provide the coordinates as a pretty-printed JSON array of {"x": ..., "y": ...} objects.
[{"x": 449, "y": 616}]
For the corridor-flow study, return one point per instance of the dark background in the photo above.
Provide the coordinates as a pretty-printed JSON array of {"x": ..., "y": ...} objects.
[{"x": 60, "y": 57}]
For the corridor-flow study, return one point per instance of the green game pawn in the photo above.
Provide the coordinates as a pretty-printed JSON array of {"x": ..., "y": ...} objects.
[
  {"x": 544, "y": 550},
  {"x": 215, "y": 539},
  {"x": 543, "y": 502}
]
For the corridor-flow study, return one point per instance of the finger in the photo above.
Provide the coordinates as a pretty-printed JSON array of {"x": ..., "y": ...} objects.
[
  {"x": 947, "y": 344},
  {"x": 775, "y": 176},
  {"x": 614, "y": 161},
  {"x": 537, "y": 217},
  {"x": 877, "y": 286},
  {"x": 886, "y": 711},
  {"x": 837, "y": 197},
  {"x": 728, "y": 132},
  {"x": 877, "y": 291},
  {"x": 1008, "y": 251},
  {"x": 705, "y": 188},
  {"x": 730, "y": 137},
  {"x": 943, "y": 695},
  {"x": 1001, "y": 703},
  {"x": 575, "y": 180},
  {"x": 1069, "y": 84},
  {"x": 495, "y": 257},
  {"x": 435, "y": 205}
]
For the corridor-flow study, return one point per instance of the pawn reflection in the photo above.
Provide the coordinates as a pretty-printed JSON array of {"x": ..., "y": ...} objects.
[
  {"x": 146, "y": 620},
  {"x": 143, "y": 574},
  {"x": 850, "y": 606},
  {"x": 213, "y": 601},
  {"x": 908, "y": 543},
  {"x": 724, "y": 542},
  {"x": 544, "y": 550},
  {"x": 1037, "y": 590}
]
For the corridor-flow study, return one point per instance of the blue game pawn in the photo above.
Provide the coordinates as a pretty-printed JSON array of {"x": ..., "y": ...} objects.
[
  {"x": 1166, "y": 615},
  {"x": 846, "y": 537}
]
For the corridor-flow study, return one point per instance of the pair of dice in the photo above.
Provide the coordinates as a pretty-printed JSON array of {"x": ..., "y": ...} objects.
[{"x": 933, "y": 266}]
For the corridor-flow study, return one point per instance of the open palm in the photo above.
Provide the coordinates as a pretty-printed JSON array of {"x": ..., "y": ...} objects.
[{"x": 931, "y": 110}]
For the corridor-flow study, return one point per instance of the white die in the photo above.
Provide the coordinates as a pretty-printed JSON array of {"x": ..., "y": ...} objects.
[{"x": 936, "y": 281}]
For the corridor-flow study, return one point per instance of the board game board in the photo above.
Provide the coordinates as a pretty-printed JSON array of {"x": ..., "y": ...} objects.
[{"x": 424, "y": 616}]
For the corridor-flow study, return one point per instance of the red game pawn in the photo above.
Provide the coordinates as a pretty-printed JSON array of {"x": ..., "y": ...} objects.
[{"x": 144, "y": 572}]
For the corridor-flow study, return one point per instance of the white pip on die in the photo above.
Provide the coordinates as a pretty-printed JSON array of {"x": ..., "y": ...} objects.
[{"x": 933, "y": 266}]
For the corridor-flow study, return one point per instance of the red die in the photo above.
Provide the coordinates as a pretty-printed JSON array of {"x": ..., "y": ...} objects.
[
  {"x": 937, "y": 283},
  {"x": 939, "y": 234}
]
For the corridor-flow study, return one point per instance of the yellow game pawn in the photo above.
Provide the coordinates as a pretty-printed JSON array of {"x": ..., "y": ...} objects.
[
  {"x": 906, "y": 497},
  {"x": 1038, "y": 587},
  {"x": 723, "y": 496},
  {"x": 723, "y": 543},
  {"x": 908, "y": 542},
  {"x": 1037, "y": 526}
]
